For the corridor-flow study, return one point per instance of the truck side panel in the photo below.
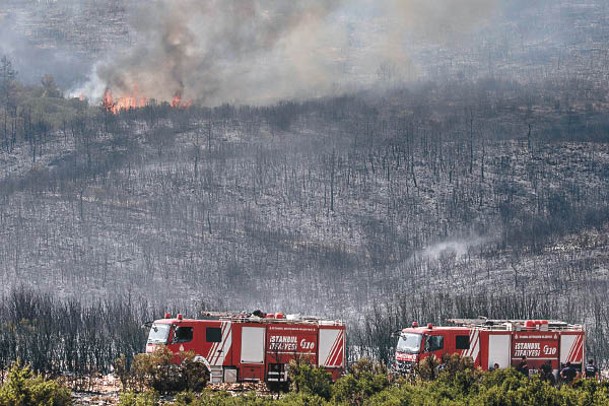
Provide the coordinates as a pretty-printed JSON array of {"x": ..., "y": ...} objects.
[
  {"x": 252, "y": 353},
  {"x": 252, "y": 345}
]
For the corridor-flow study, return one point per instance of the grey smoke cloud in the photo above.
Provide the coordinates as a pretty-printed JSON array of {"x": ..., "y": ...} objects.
[
  {"x": 33, "y": 61},
  {"x": 261, "y": 51}
]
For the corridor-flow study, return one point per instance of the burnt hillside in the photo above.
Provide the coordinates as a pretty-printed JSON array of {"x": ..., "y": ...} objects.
[{"x": 476, "y": 187}]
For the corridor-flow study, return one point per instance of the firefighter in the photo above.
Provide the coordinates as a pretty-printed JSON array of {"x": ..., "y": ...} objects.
[
  {"x": 591, "y": 370},
  {"x": 546, "y": 372},
  {"x": 568, "y": 373},
  {"x": 523, "y": 366}
]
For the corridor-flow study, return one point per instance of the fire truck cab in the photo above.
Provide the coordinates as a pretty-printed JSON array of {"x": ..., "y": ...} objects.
[
  {"x": 244, "y": 347},
  {"x": 490, "y": 342}
]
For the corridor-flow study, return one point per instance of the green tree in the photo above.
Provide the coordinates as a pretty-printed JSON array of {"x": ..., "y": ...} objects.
[
  {"x": 23, "y": 388},
  {"x": 310, "y": 379}
]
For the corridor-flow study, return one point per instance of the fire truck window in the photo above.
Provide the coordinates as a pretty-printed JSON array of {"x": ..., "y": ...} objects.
[
  {"x": 213, "y": 334},
  {"x": 434, "y": 343},
  {"x": 463, "y": 342},
  {"x": 182, "y": 335}
]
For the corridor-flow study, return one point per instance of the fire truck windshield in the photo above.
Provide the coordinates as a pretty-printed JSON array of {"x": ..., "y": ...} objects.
[
  {"x": 158, "y": 334},
  {"x": 409, "y": 343}
]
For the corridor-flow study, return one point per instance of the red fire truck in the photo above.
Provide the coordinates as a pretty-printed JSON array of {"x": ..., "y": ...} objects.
[
  {"x": 248, "y": 347},
  {"x": 490, "y": 342}
]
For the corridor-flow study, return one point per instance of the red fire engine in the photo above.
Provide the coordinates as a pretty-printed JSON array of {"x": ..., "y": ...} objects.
[
  {"x": 490, "y": 342},
  {"x": 239, "y": 347}
]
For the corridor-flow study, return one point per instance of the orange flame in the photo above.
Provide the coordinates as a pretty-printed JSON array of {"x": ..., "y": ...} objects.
[
  {"x": 134, "y": 101},
  {"x": 123, "y": 102},
  {"x": 177, "y": 102}
]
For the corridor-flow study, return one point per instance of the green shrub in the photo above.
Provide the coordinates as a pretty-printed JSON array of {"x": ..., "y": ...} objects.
[
  {"x": 221, "y": 398},
  {"x": 366, "y": 378},
  {"x": 130, "y": 398},
  {"x": 300, "y": 399},
  {"x": 159, "y": 372},
  {"x": 23, "y": 388},
  {"x": 427, "y": 368},
  {"x": 393, "y": 396},
  {"x": 186, "y": 398},
  {"x": 309, "y": 379}
]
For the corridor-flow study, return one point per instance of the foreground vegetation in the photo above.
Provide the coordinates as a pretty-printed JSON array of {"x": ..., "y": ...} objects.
[
  {"x": 367, "y": 383},
  {"x": 22, "y": 387}
]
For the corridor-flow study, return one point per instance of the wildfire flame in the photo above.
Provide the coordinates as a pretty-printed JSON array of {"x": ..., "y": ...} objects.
[
  {"x": 177, "y": 102},
  {"x": 123, "y": 102},
  {"x": 134, "y": 101}
]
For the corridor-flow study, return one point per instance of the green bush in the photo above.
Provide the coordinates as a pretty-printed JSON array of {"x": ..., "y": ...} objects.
[
  {"x": 221, "y": 398},
  {"x": 393, "y": 396},
  {"x": 130, "y": 398},
  {"x": 365, "y": 379},
  {"x": 458, "y": 384},
  {"x": 427, "y": 368},
  {"x": 300, "y": 399},
  {"x": 159, "y": 372},
  {"x": 24, "y": 388},
  {"x": 309, "y": 379}
]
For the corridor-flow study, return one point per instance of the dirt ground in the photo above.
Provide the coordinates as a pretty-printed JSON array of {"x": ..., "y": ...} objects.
[{"x": 105, "y": 391}]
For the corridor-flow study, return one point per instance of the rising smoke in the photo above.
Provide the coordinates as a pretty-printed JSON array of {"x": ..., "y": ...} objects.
[{"x": 261, "y": 51}]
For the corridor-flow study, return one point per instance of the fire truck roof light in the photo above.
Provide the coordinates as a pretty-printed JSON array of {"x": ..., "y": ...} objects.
[
  {"x": 429, "y": 326},
  {"x": 167, "y": 315},
  {"x": 415, "y": 324},
  {"x": 180, "y": 316}
]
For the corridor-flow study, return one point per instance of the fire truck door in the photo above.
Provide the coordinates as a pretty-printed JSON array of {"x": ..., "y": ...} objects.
[
  {"x": 499, "y": 350},
  {"x": 252, "y": 345}
]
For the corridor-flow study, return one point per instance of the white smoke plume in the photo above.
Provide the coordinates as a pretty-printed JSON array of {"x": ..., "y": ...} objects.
[{"x": 261, "y": 51}]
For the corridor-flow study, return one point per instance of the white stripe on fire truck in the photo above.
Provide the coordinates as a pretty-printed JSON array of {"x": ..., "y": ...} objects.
[
  {"x": 332, "y": 349},
  {"x": 575, "y": 349},
  {"x": 226, "y": 344},
  {"x": 476, "y": 350},
  {"x": 226, "y": 334},
  {"x": 211, "y": 351},
  {"x": 337, "y": 349},
  {"x": 214, "y": 348},
  {"x": 570, "y": 354},
  {"x": 473, "y": 339},
  {"x": 340, "y": 350}
]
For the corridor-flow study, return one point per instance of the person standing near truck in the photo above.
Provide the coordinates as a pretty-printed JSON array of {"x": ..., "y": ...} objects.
[
  {"x": 568, "y": 373},
  {"x": 591, "y": 370},
  {"x": 546, "y": 372},
  {"x": 523, "y": 367}
]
